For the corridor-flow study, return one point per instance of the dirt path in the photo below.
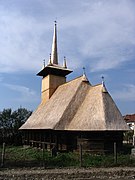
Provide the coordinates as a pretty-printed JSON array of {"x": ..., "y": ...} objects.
[{"x": 118, "y": 173}]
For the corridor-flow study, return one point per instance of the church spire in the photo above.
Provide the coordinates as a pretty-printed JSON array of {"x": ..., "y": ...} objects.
[
  {"x": 53, "y": 74},
  {"x": 53, "y": 68},
  {"x": 54, "y": 54}
]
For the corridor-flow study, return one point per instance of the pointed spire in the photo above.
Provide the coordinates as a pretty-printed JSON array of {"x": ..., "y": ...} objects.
[
  {"x": 44, "y": 62},
  {"x": 103, "y": 81},
  {"x": 84, "y": 77},
  {"x": 65, "y": 62},
  {"x": 54, "y": 54},
  {"x": 103, "y": 85},
  {"x": 50, "y": 59}
]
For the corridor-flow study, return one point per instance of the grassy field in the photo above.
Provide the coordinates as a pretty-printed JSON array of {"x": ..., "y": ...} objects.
[{"x": 30, "y": 157}]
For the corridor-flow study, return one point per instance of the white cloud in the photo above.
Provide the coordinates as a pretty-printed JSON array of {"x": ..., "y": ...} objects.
[
  {"x": 25, "y": 94},
  {"x": 104, "y": 33},
  {"x": 125, "y": 94},
  {"x": 99, "y": 34},
  {"x": 21, "y": 43}
]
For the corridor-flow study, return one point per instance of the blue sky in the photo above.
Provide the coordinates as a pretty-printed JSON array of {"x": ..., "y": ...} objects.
[{"x": 96, "y": 34}]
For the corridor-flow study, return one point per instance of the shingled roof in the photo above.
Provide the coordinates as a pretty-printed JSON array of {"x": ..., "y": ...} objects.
[
  {"x": 129, "y": 118},
  {"x": 78, "y": 106}
]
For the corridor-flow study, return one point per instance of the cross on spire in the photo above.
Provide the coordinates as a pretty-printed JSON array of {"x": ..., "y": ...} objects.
[
  {"x": 103, "y": 81},
  {"x": 103, "y": 84},
  {"x": 83, "y": 70},
  {"x": 84, "y": 76}
]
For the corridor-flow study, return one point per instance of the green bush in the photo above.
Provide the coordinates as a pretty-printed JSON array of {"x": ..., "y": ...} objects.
[
  {"x": 63, "y": 160},
  {"x": 97, "y": 160}
]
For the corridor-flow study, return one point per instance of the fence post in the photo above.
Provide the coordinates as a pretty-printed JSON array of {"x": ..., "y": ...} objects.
[
  {"x": 3, "y": 155},
  {"x": 80, "y": 155},
  {"x": 115, "y": 153},
  {"x": 43, "y": 146}
]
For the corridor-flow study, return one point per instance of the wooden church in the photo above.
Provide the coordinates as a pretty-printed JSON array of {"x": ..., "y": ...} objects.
[{"x": 73, "y": 113}]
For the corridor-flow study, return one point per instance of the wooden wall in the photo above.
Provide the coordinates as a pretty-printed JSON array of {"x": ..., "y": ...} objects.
[{"x": 95, "y": 141}]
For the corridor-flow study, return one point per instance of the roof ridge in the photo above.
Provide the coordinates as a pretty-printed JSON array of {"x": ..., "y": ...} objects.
[
  {"x": 104, "y": 109},
  {"x": 75, "y": 78},
  {"x": 74, "y": 108},
  {"x": 71, "y": 81},
  {"x": 81, "y": 77}
]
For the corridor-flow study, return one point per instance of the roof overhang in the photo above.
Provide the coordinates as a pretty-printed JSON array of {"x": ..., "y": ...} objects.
[{"x": 55, "y": 70}]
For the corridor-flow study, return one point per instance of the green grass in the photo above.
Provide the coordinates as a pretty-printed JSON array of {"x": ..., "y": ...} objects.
[
  {"x": 19, "y": 156},
  {"x": 107, "y": 160}
]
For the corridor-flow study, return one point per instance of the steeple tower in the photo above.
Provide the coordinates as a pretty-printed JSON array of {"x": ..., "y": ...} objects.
[
  {"x": 54, "y": 54},
  {"x": 53, "y": 74}
]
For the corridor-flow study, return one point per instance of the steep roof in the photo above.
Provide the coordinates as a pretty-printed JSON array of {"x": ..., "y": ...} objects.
[{"x": 76, "y": 105}]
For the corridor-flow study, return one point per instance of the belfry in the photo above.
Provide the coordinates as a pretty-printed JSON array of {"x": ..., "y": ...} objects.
[{"x": 53, "y": 74}]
